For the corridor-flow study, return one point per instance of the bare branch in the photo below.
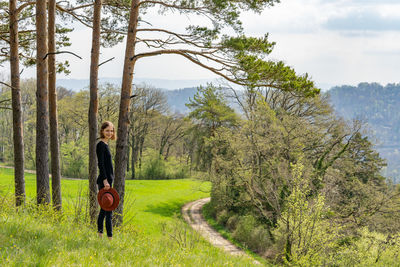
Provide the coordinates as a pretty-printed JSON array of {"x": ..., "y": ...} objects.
[
  {"x": 5, "y": 100},
  {"x": 179, "y": 36},
  {"x": 7, "y": 85},
  {"x": 202, "y": 8},
  {"x": 79, "y": 7},
  {"x": 105, "y": 61},
  {"x": 61, "y": 52},
  {"x": 74, "y": 15},
  {"x": 187, "y": 54},
  {"x": 21, "y": 7}
]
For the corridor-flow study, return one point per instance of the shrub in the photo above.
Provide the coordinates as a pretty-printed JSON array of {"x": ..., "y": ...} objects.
[
  {"x": 232, "y": 222},
  {"x": 245, "y": 227},
  {"x": 369, "y": 249},
  {"x": 250, "y": 233},
  {"x": 305, "y": 236},
  {"x": 153, "y": 169},
  {"x": 74, "y": 159},
  {"x": 222, "y": 217},
  {"x": 156, "y": 168}
]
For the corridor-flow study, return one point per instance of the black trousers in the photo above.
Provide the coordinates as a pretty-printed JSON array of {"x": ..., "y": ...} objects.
[{"x": 100, "y": 221}]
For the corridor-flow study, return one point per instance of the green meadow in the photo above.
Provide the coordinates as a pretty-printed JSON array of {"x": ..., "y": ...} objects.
[{"x": 153, "y": 233}]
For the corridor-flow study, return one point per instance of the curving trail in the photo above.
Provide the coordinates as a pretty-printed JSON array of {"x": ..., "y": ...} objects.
[{"x": 192, "y": 214}]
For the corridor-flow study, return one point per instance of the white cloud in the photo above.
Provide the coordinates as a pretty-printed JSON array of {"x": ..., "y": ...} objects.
[{"x": 363, "y": 20}]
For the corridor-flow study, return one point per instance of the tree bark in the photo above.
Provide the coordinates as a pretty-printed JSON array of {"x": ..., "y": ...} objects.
[
  {"x": 54, "y": 144},
  {"x": 93, "y": 110},
  {"x": 18, "y": 135},
  {"x": 133, "y": 157},
  {"x": 42, "y": 111},
  {"x": 141, "y": 151},
  {"x": 123, "y": 119},
  {"x": 127, "y": 157}
]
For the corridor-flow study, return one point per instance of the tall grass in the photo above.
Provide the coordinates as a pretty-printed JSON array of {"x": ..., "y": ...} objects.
[{"x": 153, "y": 234}]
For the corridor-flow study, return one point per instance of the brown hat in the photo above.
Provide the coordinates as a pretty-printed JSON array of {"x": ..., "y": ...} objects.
[{"x": 108, "y": 199}]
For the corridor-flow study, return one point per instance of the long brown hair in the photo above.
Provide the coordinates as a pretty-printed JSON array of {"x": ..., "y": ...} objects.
[{"x": 105, "y": 125}]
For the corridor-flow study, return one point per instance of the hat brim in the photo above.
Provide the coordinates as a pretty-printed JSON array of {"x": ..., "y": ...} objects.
[{"x": 114, "y": 194}]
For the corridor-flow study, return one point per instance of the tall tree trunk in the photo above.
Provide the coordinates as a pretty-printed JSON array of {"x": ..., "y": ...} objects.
[
  {"x": 42, "y": 111},
  {"x": 123, "y": 119},
  {"x": 141, "y": 151},
  {"x": 127, "y": 158},
  {"x": 93, "y": 110},
  {"x": 16, "y": 107},
  {"x": 133, "y": 157},
  {"x": 54, "y": 144},
  {"x": 167, "y": 153}
]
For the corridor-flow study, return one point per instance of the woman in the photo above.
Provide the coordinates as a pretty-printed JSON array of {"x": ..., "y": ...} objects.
[{"x": 106, "y": 176}]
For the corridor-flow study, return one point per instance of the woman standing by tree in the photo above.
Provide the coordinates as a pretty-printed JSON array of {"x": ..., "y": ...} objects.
[{"x": 106, "y": 176}]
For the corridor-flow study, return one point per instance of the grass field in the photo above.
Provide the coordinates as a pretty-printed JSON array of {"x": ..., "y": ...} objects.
[{"x": 153, "y": 234}]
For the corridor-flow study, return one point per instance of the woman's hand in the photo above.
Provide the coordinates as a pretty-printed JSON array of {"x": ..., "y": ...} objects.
[{"x": 106, "y": 184}]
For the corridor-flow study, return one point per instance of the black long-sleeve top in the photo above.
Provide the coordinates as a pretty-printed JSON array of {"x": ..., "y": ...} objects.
[{"x": 104, "y": 162}]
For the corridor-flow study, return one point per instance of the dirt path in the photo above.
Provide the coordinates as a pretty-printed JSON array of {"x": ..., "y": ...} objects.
[{"x": 192, "y": 214}]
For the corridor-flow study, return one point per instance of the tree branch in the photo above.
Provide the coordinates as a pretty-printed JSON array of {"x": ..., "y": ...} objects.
[
  {"x": 73, "y": 14},
  {"x": 186, "y": 54},
  {"x": 105, "y": 61},
  {"x": 172, "y": 6},
  {"x": 21, "y": 7},
  {"x": 79, "y": 7},
  {"x": 61, "y": 52},
  {"x": 7, "y": 85},
  {"x": 179, "y": 36}
]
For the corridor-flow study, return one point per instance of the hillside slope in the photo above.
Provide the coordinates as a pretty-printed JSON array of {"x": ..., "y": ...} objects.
[{"x": 379, "y": 106}]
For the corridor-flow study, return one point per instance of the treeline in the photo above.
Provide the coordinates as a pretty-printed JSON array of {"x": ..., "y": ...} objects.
[
  {"x": 379, "y": 106},
  {"x": 158, "y": 149},
  {"x": 294, "y": 182}
]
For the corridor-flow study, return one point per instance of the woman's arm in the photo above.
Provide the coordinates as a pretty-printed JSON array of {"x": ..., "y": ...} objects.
[{"x": 100, "y": 151}]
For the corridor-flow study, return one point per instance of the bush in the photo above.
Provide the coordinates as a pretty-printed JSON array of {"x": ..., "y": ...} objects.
[
  {"x": 260, "y": 239},
  {"x": 74, "y": 159},
  {"x": 232, "y": 222},
  {"x": 222, "y": 217},
  {"x": 156, "y": 168},
  {"x": 251, "y": 234},
  {"x": 369, "y": 249}
]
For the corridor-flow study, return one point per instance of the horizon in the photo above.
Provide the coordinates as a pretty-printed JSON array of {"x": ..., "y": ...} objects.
[{"x": 198, "y": 82}]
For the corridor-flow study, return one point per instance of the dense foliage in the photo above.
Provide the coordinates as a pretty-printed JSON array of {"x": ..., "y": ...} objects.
[
  {"x": 159, "y": 150},
  {"x": 289, "y": 179}
]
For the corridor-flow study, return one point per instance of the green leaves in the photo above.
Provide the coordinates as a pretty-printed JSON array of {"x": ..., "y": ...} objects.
[
  {"x": 243, "y": 44},
  {"x": 209, "y": 112},
  {"x": 210, "y": 108}
]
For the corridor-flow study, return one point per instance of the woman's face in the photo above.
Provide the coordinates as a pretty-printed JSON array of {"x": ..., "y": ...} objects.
[{"x": 108, "y": 132}]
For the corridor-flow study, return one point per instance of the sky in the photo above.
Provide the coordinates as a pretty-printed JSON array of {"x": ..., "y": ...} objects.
[{"x": 336, "y": 42}]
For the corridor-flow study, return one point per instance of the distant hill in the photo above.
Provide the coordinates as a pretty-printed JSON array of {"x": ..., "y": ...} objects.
[
  {"x": 178, "y": 98},
  {"x": 78, "y": 84},
  {"x": 380, "y": 107}
]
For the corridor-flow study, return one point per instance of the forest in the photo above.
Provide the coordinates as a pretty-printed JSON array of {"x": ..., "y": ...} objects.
[
  {"x": 378, "y": 106},
  {"x": 289, "y": 179}
]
